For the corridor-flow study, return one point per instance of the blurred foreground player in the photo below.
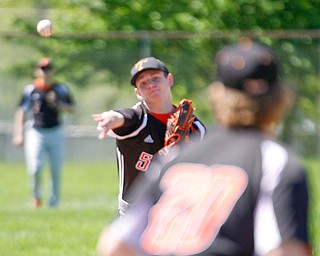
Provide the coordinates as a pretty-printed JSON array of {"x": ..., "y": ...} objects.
[{"x": 239, "y": 192}]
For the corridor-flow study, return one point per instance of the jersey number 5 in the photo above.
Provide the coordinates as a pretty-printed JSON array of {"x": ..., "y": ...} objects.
[{"x": 144, "y": 161}]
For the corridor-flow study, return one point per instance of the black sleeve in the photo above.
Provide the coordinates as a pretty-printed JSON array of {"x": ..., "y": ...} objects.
[
  {"x": 132, "y": 120},
  {"x": 291, "y": 204}
]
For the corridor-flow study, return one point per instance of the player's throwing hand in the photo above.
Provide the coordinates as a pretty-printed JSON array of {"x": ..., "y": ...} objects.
[{"x": 107, "y": 121}]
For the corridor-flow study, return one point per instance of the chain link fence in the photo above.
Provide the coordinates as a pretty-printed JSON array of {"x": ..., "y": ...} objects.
[{"x": 96, "y": 67}]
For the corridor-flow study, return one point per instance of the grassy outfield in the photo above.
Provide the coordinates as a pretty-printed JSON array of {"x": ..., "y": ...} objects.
[{"x": 89, "y": 202}]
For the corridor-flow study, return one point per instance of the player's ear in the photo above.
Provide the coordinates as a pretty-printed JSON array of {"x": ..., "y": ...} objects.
[
  {"x": 170, "y": 79},
  {"x": 138, "y": 93}
]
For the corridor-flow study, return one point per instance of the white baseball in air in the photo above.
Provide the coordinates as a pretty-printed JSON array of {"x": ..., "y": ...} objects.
[{"x": 45, "y": 28}]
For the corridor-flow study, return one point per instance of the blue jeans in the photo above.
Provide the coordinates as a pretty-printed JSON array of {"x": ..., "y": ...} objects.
[{"x": 40, "y": 142}]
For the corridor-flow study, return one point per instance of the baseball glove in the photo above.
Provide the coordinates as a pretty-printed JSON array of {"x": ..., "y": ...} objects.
[{"x": 179, "y": 124}]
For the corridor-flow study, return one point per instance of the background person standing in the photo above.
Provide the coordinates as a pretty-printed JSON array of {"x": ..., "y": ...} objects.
[{"x": 42, "y": 134}]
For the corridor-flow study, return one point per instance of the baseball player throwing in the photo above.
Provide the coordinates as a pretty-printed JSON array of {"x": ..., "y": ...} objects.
[{"x": 140, "y": 130}]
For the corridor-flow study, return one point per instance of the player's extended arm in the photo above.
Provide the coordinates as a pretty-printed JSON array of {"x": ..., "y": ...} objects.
[
  {"x": 18, "y": 129},
  {"x": 107, "y": 121}
]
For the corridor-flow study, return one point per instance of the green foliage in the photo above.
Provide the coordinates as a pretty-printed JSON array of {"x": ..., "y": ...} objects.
[
  {"x": 96, "y": 42},
  {"x": 268, "y": 14}
]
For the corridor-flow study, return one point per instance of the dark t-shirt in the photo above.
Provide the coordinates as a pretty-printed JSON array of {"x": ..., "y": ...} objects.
[
  {"x": 43, "y": 104},
  {"x": 235, "y": 193}
]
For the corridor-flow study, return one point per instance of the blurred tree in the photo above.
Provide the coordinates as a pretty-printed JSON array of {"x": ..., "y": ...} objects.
[{"x": 83, "y": 27}]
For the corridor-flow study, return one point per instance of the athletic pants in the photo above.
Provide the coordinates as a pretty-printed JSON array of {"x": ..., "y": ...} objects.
[{"x": 40, "y": 142}]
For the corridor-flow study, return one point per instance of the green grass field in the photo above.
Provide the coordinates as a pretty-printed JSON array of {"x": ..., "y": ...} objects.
[{"x": 89, "y": 202}]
